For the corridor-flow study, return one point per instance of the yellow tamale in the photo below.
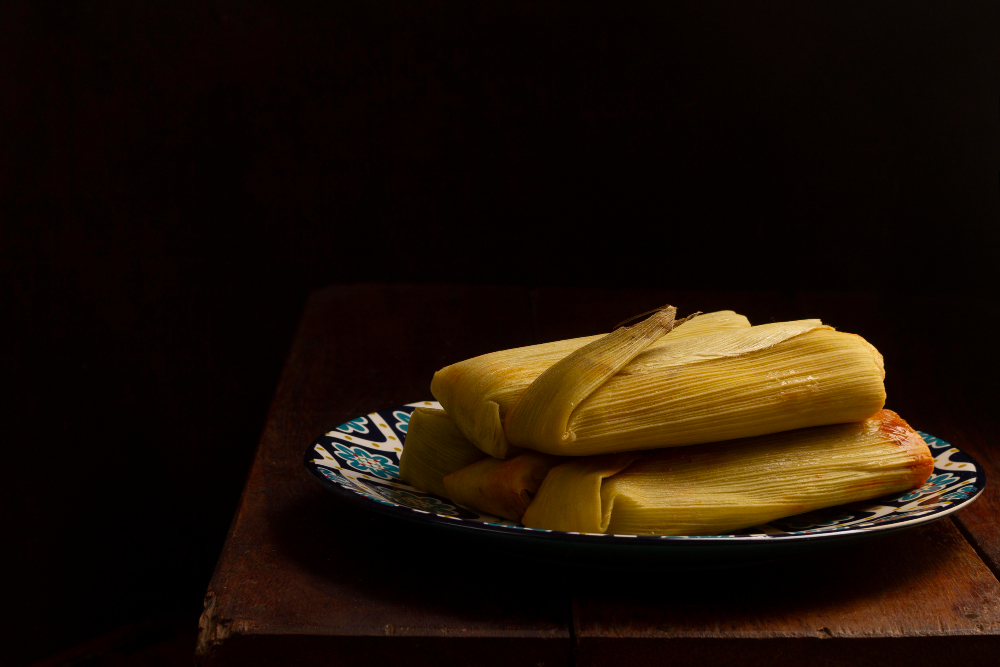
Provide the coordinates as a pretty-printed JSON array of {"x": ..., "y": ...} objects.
[
  {"x": 612, "y": 395},
  {"x": 721, "y": 487},
  {"x": 438, "y": 458},
  {"x": 502, "y": 487},
  {"x": 434, "y": 448},
  {"x": 478, "y": 392}
]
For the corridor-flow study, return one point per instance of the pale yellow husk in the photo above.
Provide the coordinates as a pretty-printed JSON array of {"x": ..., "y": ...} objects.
[
  {"x": 434, "y": 448},
  {"x": 721, "y": 487},
  {"x": 719, "y": 386},
  {"x": 501, "y": 487},
  {"x": 543, "y": 410},
  {"x": 478, "y": 392}
]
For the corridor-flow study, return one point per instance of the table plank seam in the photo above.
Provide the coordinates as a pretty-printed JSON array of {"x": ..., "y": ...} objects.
[{"x": 992, "y": 565}]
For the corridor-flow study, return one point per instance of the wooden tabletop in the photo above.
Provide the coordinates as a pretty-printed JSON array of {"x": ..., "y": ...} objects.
[{"x": 305, "y": 578}]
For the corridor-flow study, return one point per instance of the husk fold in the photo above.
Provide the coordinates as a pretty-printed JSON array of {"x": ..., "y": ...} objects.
[
  {"x": 477, "y": 393},
  {"x": 543, "y": 410},
  {"x": 502, "y": 487},
  {"x": 722, "y": 487},
  {"x": 718, "y": 386},
  {"x": 434, "y": 448}
]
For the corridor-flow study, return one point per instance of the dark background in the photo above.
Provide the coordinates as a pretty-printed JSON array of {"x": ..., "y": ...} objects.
[{"x": 175, "y": 177}]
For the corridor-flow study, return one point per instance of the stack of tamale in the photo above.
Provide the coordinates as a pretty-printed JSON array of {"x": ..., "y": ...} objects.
[{"x": 697, "y": 426}]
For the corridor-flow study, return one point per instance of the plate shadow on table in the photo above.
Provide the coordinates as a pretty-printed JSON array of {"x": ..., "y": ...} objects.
[
  {"x": 350, "y": 549},
  {"x": 338, "y": 542}
]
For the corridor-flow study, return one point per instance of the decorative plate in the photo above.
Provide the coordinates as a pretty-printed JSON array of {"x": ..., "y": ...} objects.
[{"x": 359, "y": 460}]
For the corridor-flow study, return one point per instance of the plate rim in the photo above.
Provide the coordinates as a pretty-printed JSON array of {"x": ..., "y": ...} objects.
[{"x": 547, "y": 535}]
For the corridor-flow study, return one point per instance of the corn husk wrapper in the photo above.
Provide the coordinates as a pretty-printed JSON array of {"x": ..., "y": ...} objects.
[
  {"x": 439, "y": 459},
  {"x": 478, "y": 392},
  {"x": 502, "y": 487},
  {"x": 434, "y": 448},
  {"x": 606, "y": 397},
  {"x": 721, "y": 487}
]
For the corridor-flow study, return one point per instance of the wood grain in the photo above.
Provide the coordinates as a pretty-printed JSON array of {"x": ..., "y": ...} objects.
[
  {"x": 917, "y": 585},
  {"x": 300, "y": 562},
  {"x": 305, "y": 576},
  {"x": 979, "y": 521}
]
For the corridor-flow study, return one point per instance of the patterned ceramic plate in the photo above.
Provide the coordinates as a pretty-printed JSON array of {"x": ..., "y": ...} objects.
[{"x": 359, "y": 460}]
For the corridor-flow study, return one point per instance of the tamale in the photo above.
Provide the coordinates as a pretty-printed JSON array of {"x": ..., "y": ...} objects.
[
  {"x": 502, "y": 487},
  {"x": 722, "y": 487},
  {"x": 438, "y": 458},
  {"x": 434, "y": 448},
  {"x": 478, "y": 392},
  {"x": 682, "y": 391}
]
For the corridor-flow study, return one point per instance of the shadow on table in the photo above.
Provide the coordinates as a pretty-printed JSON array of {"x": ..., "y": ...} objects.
[{"x": 350, "y": 547}]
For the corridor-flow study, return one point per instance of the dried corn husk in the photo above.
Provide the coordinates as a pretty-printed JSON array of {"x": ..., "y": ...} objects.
[
  {"x": 719, "y": 386},
  {"x": 478, "y": 392},
  {"x": 434, "y": 448},
  {"x": 502, "y": 487},
  {"x": 721, "y": 487},
  {"x": 438, "y": 458}
]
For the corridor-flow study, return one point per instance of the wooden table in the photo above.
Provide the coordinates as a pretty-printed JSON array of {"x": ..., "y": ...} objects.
[{"x": 306, "y": 578}]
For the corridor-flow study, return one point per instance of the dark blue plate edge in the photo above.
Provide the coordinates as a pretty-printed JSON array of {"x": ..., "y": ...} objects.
[{"x": 538, "y": 535}]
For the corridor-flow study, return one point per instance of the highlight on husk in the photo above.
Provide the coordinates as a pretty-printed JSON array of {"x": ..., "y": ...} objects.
[{"x": 668, "y": 426}]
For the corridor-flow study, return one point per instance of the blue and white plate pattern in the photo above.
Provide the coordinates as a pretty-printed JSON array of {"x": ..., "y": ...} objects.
[{"x": 359, "y": 460}]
